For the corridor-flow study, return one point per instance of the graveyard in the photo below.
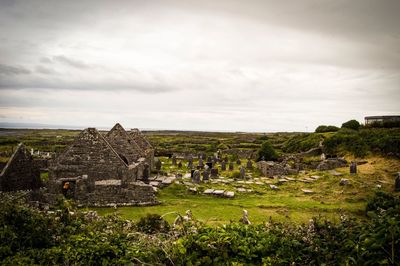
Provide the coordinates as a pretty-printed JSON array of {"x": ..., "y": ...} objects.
[
  {"x": 96, "y": 197},
  {"x": 236, "y": 181}
]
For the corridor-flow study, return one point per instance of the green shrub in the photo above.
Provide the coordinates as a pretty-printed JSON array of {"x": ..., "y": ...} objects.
[
  {"x": 267, "y": 152},
  {"x": 153, "y": 223},
  {"x": 324, "y": 129},
  {"x": 351, "y": 124}
]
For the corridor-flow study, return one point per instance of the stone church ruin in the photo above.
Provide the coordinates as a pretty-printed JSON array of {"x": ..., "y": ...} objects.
[
  {"x": 104, "y": 170},
  {"x": 20, "y": 172}
]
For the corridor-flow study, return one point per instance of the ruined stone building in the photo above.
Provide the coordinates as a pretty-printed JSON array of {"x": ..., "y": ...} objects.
[
  {"x": 103, "y": 170},
  {"x": 20, "y": 172}
]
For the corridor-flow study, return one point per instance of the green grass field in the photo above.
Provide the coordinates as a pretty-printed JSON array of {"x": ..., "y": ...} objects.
[{"x": 289, "y": 203}]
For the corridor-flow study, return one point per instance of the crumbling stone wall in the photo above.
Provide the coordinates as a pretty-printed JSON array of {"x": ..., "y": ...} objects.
[
  {"x": 91, "y": 155},
  {"x": 20, "y": 172}
]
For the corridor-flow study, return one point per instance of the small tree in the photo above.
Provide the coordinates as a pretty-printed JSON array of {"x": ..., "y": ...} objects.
[
  {"x": 351, "y": 124},
  {"x": 267, "y": 152}
]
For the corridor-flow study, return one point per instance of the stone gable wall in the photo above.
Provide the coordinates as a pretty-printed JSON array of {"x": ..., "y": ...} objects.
[
  {"x": 20, "y": 173},
  {"x": 124, "y": 145},
  {"x": 91, "y": 155}
]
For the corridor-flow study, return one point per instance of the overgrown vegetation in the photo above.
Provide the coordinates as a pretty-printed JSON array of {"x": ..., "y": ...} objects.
[
  {"x": 324, "y": 129},
  {"x": 267, "y": 152},
  {"x": 72, "y": 237}
]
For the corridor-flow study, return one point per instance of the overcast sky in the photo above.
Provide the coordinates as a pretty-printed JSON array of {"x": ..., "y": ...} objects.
[{"x": 199, "y": 65}]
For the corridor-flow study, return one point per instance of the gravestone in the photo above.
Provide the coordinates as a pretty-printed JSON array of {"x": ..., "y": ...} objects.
[
  {"x": 196, "y": 176},
  {"x": 223, "y": 166},
  {"x": 245, "y": 218},
  {"x": 238, "y": 162},
  {"x": 209, "y": 159},
  {"x": 209, "y": 164},
  {"x": 231, "y": 166},
  {"x": 226, "y": 160},
  {"x": 190, "y": 162},
  {"x": 158, "y": 164},
  {"x": 173, "y": 160},
  {"x": 206, "y": 175},
  {"x": 146, "y": 173},
  {"x": 191, "y": 173},
  {"x": 242, "y": 173},
  {"x": 201, "y": 164},
  {"x": 180, "y": 164},
  {"x": 249, "y": 164},
  {"x": 214, "y": 172},
  {"x": 397, "y": 182},
  {"x": 353, "y": 167}
]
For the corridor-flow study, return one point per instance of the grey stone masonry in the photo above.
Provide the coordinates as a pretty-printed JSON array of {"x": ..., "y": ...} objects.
[
  {"x": 124, "y": 145},
  {"x": 20, "y": 172}
]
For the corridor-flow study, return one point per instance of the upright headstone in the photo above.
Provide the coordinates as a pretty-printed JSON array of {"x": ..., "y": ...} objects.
[
  {"x": 353, "y": 167},
  {"x": 201, "y": 164},
  {"x": 242, "y": 172},
  {"x": 214, "y": 172},
  {"x": 209, "y": 164},
  {"x": 146, "y": 173},
  {"x": 203, "y": 156},
  {"x": 226, "y": 160},
  {"x": 196, "y": 176},
  {"x": 206, "y": 174},
  {"x": 397, "y": 182},
  {"x": 231, "y": 166},
  {"x": 158, "y": 164},
  {"x": 209, "y": 159},
  {"x": 249, "y": 164},
  {"x": 238, "y": 162},
  {"x": 180, "y": 164},
  {"x": 323, "y": 157},
  {"x": 173, "y": 160},
  {"x": 245, "y": 218},
  {"x": 223, "y": 166},
  {"x": 190, "y": 162}
]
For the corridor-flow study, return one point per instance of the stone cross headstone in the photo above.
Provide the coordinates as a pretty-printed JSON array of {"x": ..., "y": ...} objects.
[
  {"x": 223, "y": 166},
  {"x": 249, "y": 164},
  {"x": 238, "y": 162},
  {"x": 173, "y": 160},
  {"x": 353, "y": 167},
  {"x": 231, "y": 166},
  {"x": 242, "y": 173},
  {"x": 201, "y": 164},
  {"x": 397, "y": 182}
]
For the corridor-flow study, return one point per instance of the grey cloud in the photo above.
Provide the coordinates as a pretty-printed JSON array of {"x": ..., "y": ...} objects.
[
  {"x": 71, "y": 62},
  {"x": 13, "y": 70},
  {"x": 45, "y": 70}
]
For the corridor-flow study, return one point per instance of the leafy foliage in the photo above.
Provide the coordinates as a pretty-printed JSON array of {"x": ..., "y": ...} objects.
[
  {"x": 302, "y": 143},
  {"x": 324, "y": 129},
  {"x": 70, "y": 237},
  {"x": 267, "y": 152},
  {"x": 351, "y": 124}
]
